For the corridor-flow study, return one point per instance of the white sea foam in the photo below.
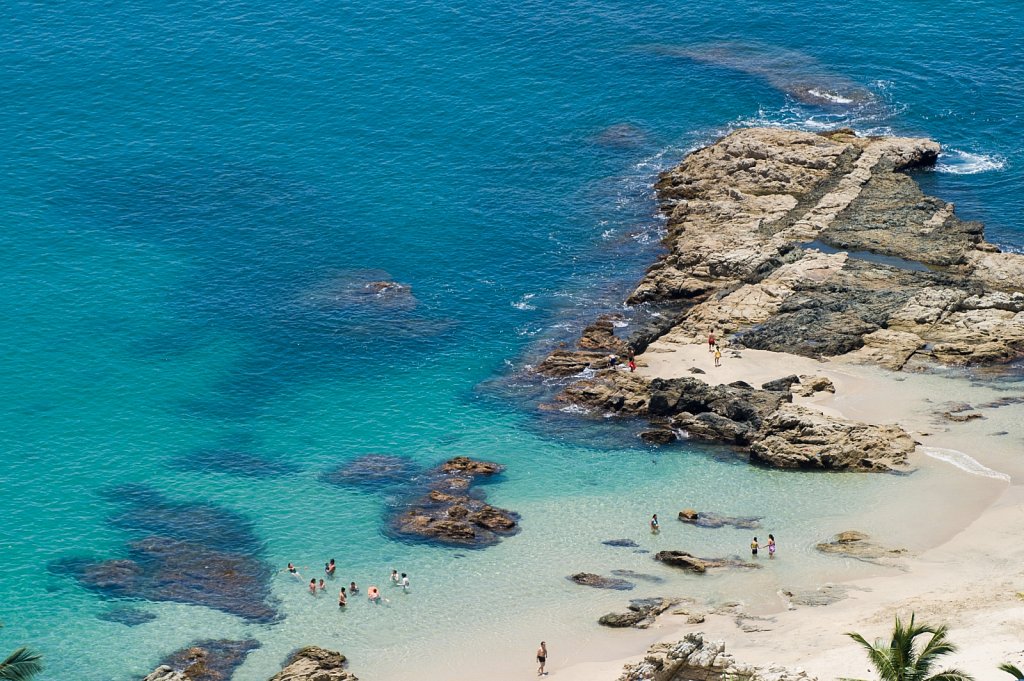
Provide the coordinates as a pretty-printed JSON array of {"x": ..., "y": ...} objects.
[
  {"x": 524, "y": 304},
  {"x": 960, "y": 162},
  {"x": 830, "y": 96},
  {"x": 574, "y": 409},
  {"x": 964, "y": 462},
  {"x": 619, "y": 324}
]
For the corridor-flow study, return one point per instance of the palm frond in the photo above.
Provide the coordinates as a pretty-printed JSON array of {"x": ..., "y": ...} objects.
[
  {"x": 950, "y": 675},
  {"x": 21, "y": 665},
  {"x": 1010, "y": 669}
]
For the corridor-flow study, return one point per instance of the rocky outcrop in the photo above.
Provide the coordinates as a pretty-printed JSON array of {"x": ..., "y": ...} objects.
[
  {"x": 449, "y": 512},
  {"x": 854, "y": 544},
  {"x": 314, "y": 664},
  {"x": 695, "y": 658},
  {"x": 204, "y": 661},
  {"x": 691, "y": 563},
  {"x": 599, "y": 582},
  {"x": 776, "y": 432},
  {"x": 372, "y": 470},
  {"x": 798, "y": 437},
  {"x": 714, "y": 520},
  {"x": 640, "y": 613}
]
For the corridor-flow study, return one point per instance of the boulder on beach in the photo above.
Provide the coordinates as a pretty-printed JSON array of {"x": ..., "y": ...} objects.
[
  {"x": 855, "y": 544},
  {"x": 640, "y": 613},
  {"x": 313, "y": 663}
]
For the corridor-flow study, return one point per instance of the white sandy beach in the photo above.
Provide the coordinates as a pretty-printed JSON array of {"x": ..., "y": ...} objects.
[{"x": 972, "y": 578}]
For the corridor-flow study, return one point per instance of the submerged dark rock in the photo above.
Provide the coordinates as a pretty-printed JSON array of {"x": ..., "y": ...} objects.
[
  {"x": 628, "y": 543},
  {"x": 715, "y": 520},
  {"x": 642, "y": 576},
  {"x": 130, "y": 617},
  {"x": 372, "y": 470},
  {"x": 234, "y": 462},
  {"x": 599, "y": 582},
  {"x": 691, "y": 563},
  {"x": 199, "y": 554}
]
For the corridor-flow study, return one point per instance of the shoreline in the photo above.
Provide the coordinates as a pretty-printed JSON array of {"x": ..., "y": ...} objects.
[{"x": 815, "y": 256}]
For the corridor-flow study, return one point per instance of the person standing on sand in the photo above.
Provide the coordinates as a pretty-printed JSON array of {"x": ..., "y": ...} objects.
[
  {"x": 718, "y": 357},
  {"x": 753, "y": 547},
  {"x": 771, "y": 545},
  {"x": 712, "y": 343},
  {"x": 542, "y": 658},
  {"x": 655, "y": 526}
]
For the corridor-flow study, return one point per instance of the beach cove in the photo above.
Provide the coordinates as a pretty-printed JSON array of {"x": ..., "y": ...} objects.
[{"x": 249, "y": 247}]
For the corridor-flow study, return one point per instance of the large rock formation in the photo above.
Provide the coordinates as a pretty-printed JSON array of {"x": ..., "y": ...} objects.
[
  {"x": 776, "y": 432},
  {"x": 808, "y": 243},
  {"x": 450, "y": 512},
  {"x": 812, "y": 244},
  {"x": 695, "y": 658},
  {"x": 640, "y": 613}
]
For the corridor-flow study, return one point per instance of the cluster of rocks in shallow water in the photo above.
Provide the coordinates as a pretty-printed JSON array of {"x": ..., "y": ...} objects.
[
  {"x": 811, "y": 244},
  {"x": 217, "y": 660}
]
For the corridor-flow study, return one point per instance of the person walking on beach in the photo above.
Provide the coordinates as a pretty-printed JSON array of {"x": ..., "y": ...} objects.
[
  {"x": 718, "y": 357},
  {"x": 712, "y": 343},
  {"x": 753, "y": 547},
  {"x": 405, "y": 582},
  {"x": 342, "y": 598},
  {"x": 542, "y": 658},
  {"x": 771, "y": 545},
  {"x": 655, "y": 526}
]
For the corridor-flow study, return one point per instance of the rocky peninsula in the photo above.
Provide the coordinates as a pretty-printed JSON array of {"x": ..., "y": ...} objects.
[{"x": 801, "y": 245}]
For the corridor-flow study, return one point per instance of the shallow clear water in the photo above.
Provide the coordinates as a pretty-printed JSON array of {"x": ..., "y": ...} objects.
[{"x": 189, "y": 195}]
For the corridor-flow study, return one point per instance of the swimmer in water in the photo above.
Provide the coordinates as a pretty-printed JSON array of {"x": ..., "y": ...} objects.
[
  {"x": 394, "y": 576},
  {"x": 312, "y": 586},
  {"x": 373, "y": 594},
  {"x": 329, "y": 569},
  {"x": 352, "y": 588},
  {"x": 342, "y": 598},
  {"x": 753, "y": 547},
  {"x": 405, "y": 582},
  {"x": 655, "y": 526},
  {"x": 323, "y": 587},
  {"x": 771, "y": 545}
]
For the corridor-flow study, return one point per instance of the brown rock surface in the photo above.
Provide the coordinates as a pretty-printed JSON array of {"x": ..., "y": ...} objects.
[{"x": 314, "y": 664}]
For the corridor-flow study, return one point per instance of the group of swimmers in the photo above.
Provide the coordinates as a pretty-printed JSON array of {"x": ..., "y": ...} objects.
[
  {"x": 373, "y": 593},
  {"x": 754, "y": 545}
]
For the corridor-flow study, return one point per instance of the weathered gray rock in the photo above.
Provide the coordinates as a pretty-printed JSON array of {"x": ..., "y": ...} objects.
[
  {"x": 809, "y": 385},
  {"x": 314, "y": 664},
  {"x": 212, "y": 660},
  {"x": 640, "y": 613},
  {"x": 797, "y": 437},
  {"x": 715, "y": 520},
  {"x": 691, "y": 563},
  {"x": 694, "y": 658},
  {"x": 854, "y": 544},
  {"x": 599, "y": 582}
]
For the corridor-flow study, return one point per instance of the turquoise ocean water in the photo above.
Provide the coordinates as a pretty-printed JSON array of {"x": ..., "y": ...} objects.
[{"x": 190, "y": 194}]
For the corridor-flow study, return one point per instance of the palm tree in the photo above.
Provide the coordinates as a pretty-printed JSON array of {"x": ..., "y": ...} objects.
[
  {"x": 901, "y": 661},
  {"x": 21, "y": 665},
  {"x": 1013, "y": 671}
]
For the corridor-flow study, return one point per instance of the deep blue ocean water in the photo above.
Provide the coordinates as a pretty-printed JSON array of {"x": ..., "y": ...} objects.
[{"x": 192, "y": 196}]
